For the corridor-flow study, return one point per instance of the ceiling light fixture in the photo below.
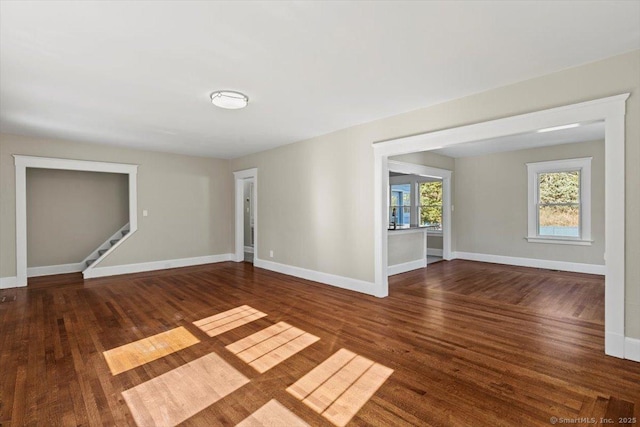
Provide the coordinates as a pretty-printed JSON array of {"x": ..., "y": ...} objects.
[
  {"x": 573, "y": 125},
  {"x": 229, "y": 99}
]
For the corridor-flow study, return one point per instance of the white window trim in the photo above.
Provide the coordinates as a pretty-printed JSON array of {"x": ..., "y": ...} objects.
[
  {"x": 414, "y": 180},
  {"x": 429, "y": 232},
  {"x": 533, "y": 170},
  {"x": 425, "y": 171}
]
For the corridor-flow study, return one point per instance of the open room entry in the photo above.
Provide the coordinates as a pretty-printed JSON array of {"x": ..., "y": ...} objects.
[
  {"x": 417, "y": 175},
  {"x": 246, "y": 179},
  {"x": 611, "y": 110},
  {"x": 24, "y": 162}
]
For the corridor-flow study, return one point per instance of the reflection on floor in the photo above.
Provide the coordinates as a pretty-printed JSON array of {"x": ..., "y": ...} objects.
[
  {"x": 432, "y": 259},
  {"x": 228, "y": 320},
  {"x": 265, "y": 349},
  {"x": 272, "y": 414},
  {"x": 336, "y": 389},
  {"x": 171, "y": 398},
  {"x": 137, "y": 353},
  {"x": 340, "y": 386}
]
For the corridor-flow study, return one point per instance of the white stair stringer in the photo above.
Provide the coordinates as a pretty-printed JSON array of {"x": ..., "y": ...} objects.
[{"x": 105, "y": 249}]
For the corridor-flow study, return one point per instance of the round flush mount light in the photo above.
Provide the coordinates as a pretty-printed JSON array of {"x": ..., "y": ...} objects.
[{"x": 229, "y": 99}]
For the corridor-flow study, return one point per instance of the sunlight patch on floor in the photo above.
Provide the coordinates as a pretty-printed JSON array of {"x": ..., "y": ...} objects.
[
  {"x": 171, "y": 398},
  {"x": 272, "y": 414},
  {"x": 340, "y": 386},
  {"x": 137, "y": 353},
  {"x": 267, "y": 348},
  {"x": 228, "y": 320}
]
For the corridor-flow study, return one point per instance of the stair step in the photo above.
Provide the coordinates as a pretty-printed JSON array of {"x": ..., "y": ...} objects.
[
  {"x": 125, "y": 232},
  {"x": 113, "y": 242},
  {"x": 102, "y": 251},
  {"x": 89, "y": 262}
]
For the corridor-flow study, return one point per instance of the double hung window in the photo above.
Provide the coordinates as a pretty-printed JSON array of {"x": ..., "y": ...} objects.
[{"x": 560, "y": 201}]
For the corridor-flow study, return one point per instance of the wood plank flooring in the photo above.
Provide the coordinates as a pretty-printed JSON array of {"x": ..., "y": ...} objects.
[
  {"x": 143, "y": 351},
  {"x": 470, "y": 344}
]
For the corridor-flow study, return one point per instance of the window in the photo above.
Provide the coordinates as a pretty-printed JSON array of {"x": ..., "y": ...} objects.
[
  {"x": 560, "y": 201},
  {"x": 430, "y": 209},
  {"x": 400, "y": 205}
]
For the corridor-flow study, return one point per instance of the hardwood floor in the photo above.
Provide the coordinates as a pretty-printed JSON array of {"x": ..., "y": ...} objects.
[{"x": 468, "y": 343}]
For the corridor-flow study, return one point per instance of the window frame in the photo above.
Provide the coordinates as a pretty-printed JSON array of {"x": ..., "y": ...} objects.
[
  {"x": 583, "y": 165},
  {"x": 419, "y": 205},
  {"x": 401, "y": 224}
]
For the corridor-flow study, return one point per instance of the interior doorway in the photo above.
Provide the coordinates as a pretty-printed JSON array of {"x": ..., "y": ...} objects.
[
  {"x": 246, "y": 215},
  {"x": 249, "y": 220},
  {"x": 416, "y": 221},
  {"x": 24, "y": 162},
  {"x": 611, "y": 110}
]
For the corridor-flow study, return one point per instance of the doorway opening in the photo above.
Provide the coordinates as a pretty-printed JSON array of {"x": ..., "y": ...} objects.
[
  {"x": 419, "y": 230},
  {"x": 246, "y": 215},
  {"x": 249, "y": 220},
  {"x": 611, "y": 110},
  {"x": 73, "y": 219},
  {"x": 24, "y": 162}
]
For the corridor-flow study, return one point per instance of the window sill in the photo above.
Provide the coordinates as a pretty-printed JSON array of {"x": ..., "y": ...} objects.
[
  {"x": 559, "y": 241},
  {"x": 434, "y": 233}
]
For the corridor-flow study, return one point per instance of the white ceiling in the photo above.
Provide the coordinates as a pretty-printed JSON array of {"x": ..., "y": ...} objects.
[
  {"x": 584, "y": 133},
  {"x": 139, "y": 74}
]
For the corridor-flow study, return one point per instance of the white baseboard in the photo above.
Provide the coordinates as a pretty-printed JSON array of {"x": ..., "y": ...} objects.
[
  {"x": 434, "y": 252},
  {"x": 155, "y": 265},
  {"x": 632, "y": 349},
  {"x": 248, "y": 249},
  {"x": 318, "y": 276},
  {"x": 10, "y": 282},
  {"x": 49, "y": 270},
  {"x": 406, "y": 266},
  {"x": 532, "y": 262}
]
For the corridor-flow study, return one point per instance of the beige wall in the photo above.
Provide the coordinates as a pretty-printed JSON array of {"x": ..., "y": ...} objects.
[
  {"x": 427, "y": 158},
  {"x": 330, "y": 229},
  {"x": 491, "y": 204},
  {"x": 323, "y": 220},
  {"x": 189, "y": 199},
  {"x": 434, "y": 242},
  {"x": 405, "y": 247},
  {"x": 71, "y": 213}
]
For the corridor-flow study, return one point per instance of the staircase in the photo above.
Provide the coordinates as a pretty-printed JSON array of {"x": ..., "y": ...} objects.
[
  {"x": 105, "y": 248},
  {"x": 112, "y": 242}
]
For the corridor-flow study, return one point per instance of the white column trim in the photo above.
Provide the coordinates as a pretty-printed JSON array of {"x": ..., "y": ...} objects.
[{"x": 611, "y": 110}]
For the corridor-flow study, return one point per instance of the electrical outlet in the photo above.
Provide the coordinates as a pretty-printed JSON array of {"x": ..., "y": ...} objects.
[
  {"x": 271, "y": 254},
  {"x": 145, "y": 213}
]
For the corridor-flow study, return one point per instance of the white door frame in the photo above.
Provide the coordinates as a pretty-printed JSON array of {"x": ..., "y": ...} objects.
[
  {"x": 611, "y": 110},
  {"x": 445, "y": 176},
  {"x": 239, "y": 179},
  {"x": 24, "y": 162}
]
